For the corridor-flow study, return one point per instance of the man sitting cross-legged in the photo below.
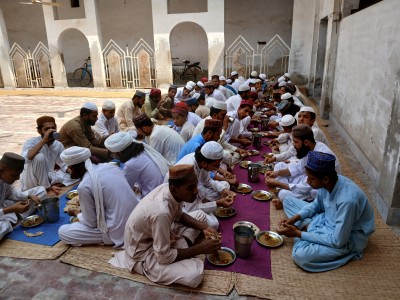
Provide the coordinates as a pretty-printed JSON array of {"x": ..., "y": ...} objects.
[
  {"x": 159, "y": 236},
  {"x": 335, "y": 227},
  {"x": 106, "y": 201}
]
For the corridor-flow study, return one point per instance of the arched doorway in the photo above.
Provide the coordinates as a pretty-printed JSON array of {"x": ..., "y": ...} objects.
[
  {"x": 188, "y": 41},
  {"x": 74, "y": 50}
]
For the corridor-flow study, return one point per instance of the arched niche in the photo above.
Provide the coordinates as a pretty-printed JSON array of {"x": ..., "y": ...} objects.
[
  {"x": 74, "y": 49},
  {"x": 188, "y": 40}
]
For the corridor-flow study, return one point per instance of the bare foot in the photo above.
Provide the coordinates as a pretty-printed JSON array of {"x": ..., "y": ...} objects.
[{"x": 277, "y": 203}]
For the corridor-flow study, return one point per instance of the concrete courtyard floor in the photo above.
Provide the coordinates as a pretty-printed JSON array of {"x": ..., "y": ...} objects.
[{"x": 51, "y": 279}]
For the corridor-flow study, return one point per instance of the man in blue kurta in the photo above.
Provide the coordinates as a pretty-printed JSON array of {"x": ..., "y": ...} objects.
[{"x": 333, "y": 229}]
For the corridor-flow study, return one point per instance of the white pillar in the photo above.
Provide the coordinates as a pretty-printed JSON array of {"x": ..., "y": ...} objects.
[{"x": 5, "y": 62}]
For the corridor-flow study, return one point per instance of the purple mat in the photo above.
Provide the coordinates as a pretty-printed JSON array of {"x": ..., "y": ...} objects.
[{"x": 257, "y": 212}]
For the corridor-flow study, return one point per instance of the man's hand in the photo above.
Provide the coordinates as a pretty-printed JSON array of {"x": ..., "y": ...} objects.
[
  {"x": 270, "y": 174},
  {"x": 244, "y": 142},
  {"x": 272, "y": 182},
  {"x": 288, "y": 230},
  {"x": 210, "y": 232},
  {"x": 269, "y": 160},
  {"x": 209, "y": 246},
  {"x": 35, "y": 199},
  {"x": 225, "y": 202},
  {"x": 228, "y": 193},
  {"x": 18, "y": 207},
  {"x": 242, "y": 152}
]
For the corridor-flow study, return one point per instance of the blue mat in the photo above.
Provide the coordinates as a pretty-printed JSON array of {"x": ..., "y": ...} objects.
[{"x": 50, "y": 236}]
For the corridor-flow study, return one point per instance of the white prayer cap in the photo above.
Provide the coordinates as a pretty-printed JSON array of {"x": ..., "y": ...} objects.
[
  {"x": 118, "y": 141},
  {"x": 286, "y": 96},
  {"x": 212, "y": 150},
  {"x": 192, "y": 83},
  {"x": 243, "y": 88},
  {"x": 286, "y": 75},
  {"x": 222, "y": 78},
  {"x": 287, "y": 120},
  {"x": 282, "y": 78},
  {"x": 108, "y": 105},
  {"x": 200, "y": 84},
  {"x": 228, "y": 81},
  {"x": 219, "y": 104},
  {"x": 253, "y": 81},
  {"x": 188, "y": 87},
  {"x": 257, "y": 80},
  {"x": 254, "y": 73},
  {"x": 90, "y": 106},
  {"x": 263, "y": 76},
  {"x": 282, "y": 83},
  {"x": 307, "y": 108},
  {"x": 75, "y": 155},
  {"x": 234, "y": 73}
]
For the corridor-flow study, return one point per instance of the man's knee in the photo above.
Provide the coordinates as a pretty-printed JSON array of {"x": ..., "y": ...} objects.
[
  {"x": 64, "y": 233},
  {"x": 199, "y": 215},
  {"x": 39, "y": 159}
]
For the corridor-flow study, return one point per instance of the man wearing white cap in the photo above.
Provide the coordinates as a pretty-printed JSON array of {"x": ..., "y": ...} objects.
[
  {"x": 144, "y": 168},
  {"x": 233, "y": 102},
  {"x": 306, "y": 115},
  {"x": 291, "y": 98},
  {"x": 183, "y": 93},
  {"x": 129, "y": 110},
  {"x": 202, "y": 110},
  {"x": 78, "y": 132},
  {"x": 211, "y": 91},
  {"x": 224, "y": 82},
  {"x": 211, "y": 193},
  {"x": 234, "y": 76},
  {"x": 106, "y": 201},
  {"x": 107, "y": 123}
]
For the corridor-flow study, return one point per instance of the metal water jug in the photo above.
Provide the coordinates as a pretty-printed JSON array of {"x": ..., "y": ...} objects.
[
  {"x": 257, "y": 138},
  {"x": 253, "y": 172},
  {"x": 264, "y": 123}
]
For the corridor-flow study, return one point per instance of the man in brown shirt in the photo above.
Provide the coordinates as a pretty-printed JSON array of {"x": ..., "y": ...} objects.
[
  {"x": 78, "y": 132},
  {"x": 129, "y": 110}
]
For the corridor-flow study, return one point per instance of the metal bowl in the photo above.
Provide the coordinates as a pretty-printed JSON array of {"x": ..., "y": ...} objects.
[
  {"x": 254, "y": 152},
  {"x": 255, "y": 129},
  {"x": 261, "y": 195},
  {"x": 243, "y": 188},
  {"x": 32, "y": 221},
  {"x": 72, "y": 194},
  {"x": 225, "y": 251},
  {"x": 225, "y": 212},
  {"x": 269, "y": 239},
  {"x": 245, "y": 163},
  {"x": 267, "y": 155},
  {"x": 253, "y": 226}
]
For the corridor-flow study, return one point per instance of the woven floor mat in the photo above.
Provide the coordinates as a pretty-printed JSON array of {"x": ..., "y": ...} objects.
[
  {"x": 16, "y": 249},
  {"x": 375, "y": 276},
  {"x": 96, "y": 258}
]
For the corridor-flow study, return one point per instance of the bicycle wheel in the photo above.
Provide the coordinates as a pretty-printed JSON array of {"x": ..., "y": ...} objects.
[
  {"x": 193, "y": 73},
  {"x": 82, "y": 77}
]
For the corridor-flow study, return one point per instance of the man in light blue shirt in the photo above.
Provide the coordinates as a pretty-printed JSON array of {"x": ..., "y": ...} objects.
[{"x": 335, "y": 227}]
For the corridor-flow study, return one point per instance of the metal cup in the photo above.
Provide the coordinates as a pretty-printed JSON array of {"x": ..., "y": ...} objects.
[
  {"x": 50, "y": 209},
  {"x": 244, "y": 237},
  {"x": 264, "y": 124},
  {"x": 56, "y": 135},
  {"x": 257, "y": 141},
  {"x": 253, "y": 172}
]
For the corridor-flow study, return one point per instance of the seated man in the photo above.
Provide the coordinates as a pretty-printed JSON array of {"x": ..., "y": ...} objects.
[
  {"x": 11, "y": 166},
  {"x": 161, "y": 138},
  {"x": 183, "y": 93},
  {"x": 291, "y": 178},
  {"x": 202, "y": 110},
  {"x": 130, "y": 110},
  {"x": 307, "y": 116},
  {"x": 212, "y": 193},
  {"x": 43, "y": 165},
  {"x": 237, "y": 131},
  {"x": 106, "y": 201},
  {"x": 167, "y": 102},
  {"x": 78, "y": 132},
  {"x": 159, "y": 236},
  {"x": 107, "y": 123},
  {"x": 144, "y": 168},
  {"x": 152, "y": 104},
  {"x": 213, "y": 93},
  {"x": 333, "y": 229},
  {"x": 181, "y": 123}
]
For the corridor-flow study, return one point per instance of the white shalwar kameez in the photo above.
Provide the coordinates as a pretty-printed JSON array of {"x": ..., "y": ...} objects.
[
  {"x": 208, "y": 189},
  {"x": 217, "y": 95},
  {"x": 186, "y": 131},
  {"x": 118, "y": 201},
  {"x": 233, "y": 103},
  {"x": 297, "y": 181},
  {"x": 8, "y": 196},
  {"x": 104, "y": 127},
  {"x": 40, "y": 170},
  {"x": 152, "y": 236},
  {"x": 166, "y": 141}
]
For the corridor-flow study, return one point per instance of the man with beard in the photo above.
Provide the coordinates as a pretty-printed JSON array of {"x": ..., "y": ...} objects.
[
  {"x": 335, "y": 227},
  {"x": 130, "y": 110},
  {"x": 212, "y": 93},
  {"x": 106, "y": 201},
  {"x": 167, "y": 102},
  {"x": 152, "y": 104},
  {"x": 43, "y": 165},
  {"x": 291, "y": 178},
  {"x": 78, "y": 132}
]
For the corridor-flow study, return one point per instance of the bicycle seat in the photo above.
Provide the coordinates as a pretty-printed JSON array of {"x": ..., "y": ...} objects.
[{"x": 186, "y": 61}]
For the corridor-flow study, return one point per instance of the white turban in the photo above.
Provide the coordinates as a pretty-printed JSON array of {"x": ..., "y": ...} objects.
[
  {"x": 108, "y": 105},
  {"x": 286, "y": 96},
  {"x": 212, "y": 150},
  {"x": 76, "y": 155},
  {"x": 118, "y": 141},
  {"x": 219, "y": 105},
  {"x": 90, "y": 106}
]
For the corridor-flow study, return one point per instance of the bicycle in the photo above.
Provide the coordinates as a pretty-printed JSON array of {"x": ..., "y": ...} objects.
[
  {"x": 83, "y": 76},
  {"x": 189, "y": 72}
]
